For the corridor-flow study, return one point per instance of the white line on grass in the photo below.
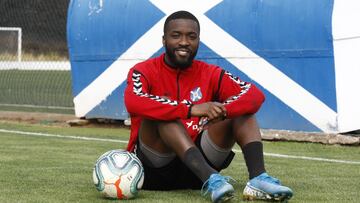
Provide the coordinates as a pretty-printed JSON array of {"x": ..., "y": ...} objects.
[
  {"x": 125, "y": 142},
  {"x": 38, "y": 106},
  {"x": 62, "y": 136},
  {"x": 306, "y": 158}
]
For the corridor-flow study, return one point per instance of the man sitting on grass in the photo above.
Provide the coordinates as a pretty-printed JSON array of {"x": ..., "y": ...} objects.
[{"x": 186, "y": 116}]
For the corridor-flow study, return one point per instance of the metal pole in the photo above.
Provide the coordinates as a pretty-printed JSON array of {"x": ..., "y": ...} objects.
[{"x": 19, "y": 44}]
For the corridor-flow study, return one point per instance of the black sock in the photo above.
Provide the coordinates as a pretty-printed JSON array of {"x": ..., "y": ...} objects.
[
  {"x": 254, "y": 158},
  {"x": 195, "y": 161}
]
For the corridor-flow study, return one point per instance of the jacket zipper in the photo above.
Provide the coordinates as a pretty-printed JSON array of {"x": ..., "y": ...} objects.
[{"x": 178, "y": 85}]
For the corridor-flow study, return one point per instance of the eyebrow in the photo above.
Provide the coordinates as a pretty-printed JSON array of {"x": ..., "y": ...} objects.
[{"x": 191, "y": 32}]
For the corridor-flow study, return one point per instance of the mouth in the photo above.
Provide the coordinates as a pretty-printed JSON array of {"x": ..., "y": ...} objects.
[{"x": 183, "y": 52}]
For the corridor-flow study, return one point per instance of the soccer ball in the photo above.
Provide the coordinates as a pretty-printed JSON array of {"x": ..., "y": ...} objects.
[{"x": 118, "y": 174}]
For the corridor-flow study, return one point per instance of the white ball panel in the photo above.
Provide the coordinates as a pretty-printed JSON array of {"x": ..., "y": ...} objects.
[
  {"x": 141, "y": 182},
  {"x": 120, "y": 159},
  {"x": 105, "y": 171},
  {"x": 110, "y": 191}
]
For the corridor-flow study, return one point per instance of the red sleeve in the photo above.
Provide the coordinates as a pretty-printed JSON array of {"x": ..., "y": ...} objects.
[
  {"x": 139, "y": 102},
  {"x": 239, "y": 97}
]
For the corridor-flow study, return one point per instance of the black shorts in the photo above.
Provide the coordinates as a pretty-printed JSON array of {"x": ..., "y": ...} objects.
[{"x": 175, "y": 175}]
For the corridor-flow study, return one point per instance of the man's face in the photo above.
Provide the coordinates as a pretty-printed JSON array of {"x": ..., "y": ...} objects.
[{"x": 181, "y": 42}]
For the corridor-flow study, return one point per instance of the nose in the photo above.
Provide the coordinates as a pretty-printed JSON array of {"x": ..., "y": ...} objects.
[{"x": 184, "y": 41}]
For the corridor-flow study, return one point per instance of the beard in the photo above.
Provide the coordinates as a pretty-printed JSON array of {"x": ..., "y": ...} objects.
[{"x": 178, "y": 62}]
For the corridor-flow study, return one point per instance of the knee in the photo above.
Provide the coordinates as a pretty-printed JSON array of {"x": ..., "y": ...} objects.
[
  {"x": 244, "y": 119},
  {"x": 169, "y": 125}
]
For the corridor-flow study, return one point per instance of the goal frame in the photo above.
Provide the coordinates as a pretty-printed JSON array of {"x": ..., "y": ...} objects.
[{"x": 19, "y": 40}]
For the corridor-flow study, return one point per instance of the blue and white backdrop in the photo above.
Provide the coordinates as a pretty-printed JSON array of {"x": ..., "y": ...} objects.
[{"x": 304, "y": 54}]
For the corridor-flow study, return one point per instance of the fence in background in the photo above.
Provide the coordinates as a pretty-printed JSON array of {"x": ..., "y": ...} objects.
[{"x": 34, "y": 67}]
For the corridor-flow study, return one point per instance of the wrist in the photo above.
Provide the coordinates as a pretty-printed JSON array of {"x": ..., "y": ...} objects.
[{"x": 190, "y": 111}]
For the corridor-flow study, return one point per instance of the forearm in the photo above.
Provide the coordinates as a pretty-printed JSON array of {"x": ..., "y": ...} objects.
[
  {"x": 156, "y": 109},
  {"x": 248, "y": 103}
]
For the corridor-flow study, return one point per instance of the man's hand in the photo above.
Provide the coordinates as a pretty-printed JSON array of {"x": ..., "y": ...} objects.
[{"x": 210, "y": 112}]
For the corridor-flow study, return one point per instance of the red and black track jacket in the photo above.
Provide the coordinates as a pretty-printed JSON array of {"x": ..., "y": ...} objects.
[{"x": 158, "y": 92}]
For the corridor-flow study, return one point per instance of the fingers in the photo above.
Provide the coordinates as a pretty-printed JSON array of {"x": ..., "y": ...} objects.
[
  {"x": 219, "y": 105},
  {"x": 212, "y": 110},
  {"x": 212, "y": 113},
  {"x": 216, "y": 110}
]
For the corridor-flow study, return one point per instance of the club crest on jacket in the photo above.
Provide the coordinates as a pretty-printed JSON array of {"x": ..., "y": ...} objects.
[{"x": 195, "y": 94}]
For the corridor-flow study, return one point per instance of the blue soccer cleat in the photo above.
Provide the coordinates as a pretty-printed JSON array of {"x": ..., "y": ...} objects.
[
  {"x": 219, "y": 188},
  {"x": 265, "y": 187}
]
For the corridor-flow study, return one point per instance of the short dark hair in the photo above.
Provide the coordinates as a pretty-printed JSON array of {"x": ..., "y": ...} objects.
[{"x": 180, "y": 15}]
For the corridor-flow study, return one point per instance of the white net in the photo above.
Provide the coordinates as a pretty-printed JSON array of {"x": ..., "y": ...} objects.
[{"x": 34, "y": 66}]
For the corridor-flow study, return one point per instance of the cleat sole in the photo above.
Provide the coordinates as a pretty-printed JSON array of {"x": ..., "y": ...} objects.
[
  {"x": 251, "y": 194},
  {"x": 281, "y": 198}
]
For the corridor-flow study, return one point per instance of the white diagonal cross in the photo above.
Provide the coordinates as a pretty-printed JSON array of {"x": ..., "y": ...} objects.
[{"x": 228, "y": 47}]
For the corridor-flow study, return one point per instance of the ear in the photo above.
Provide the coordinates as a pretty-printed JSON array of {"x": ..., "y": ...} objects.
[{"x": 163, "y": 40}]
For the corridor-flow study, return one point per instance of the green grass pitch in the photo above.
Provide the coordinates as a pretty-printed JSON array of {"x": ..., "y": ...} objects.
[
  {"x": 57, "y": 169},
  {"x": 36, "y": 88}
]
